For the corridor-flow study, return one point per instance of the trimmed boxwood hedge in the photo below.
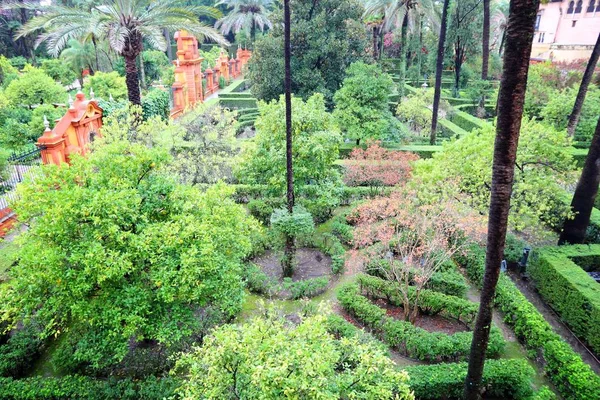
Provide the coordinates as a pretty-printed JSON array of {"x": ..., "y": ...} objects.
[
  {"x": 430, "y": 302},
  {"x": 412, "y": 341},
  {"x": 467, "y": 121},
  {"x": 81, "y": 387},
  {"x": 502, "y": 379},
  {"x": 235, "y": 103},
  {"x": 569, "y": 289},
  {"x": 450, "y": 129},
  {"x": 423, "y": 151},
  {"x": 573, "y": 378}
]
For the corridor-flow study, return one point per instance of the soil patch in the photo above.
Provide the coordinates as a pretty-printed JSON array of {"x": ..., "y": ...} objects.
[
  {"x": 431, "y": 323},
  {"x": 310, "y": 263}
]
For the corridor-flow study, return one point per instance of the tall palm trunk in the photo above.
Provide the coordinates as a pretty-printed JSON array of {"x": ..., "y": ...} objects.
[
  {"x": 511, "y": 97},
  {"x": 375, "y": 43},
  {"x": 142, "y": 71},
  {"x": 485, "y": 50},
  {"x": 585, "y": 82},
  {"x": 438, "y": 72},
  {"x": 94, "y": 42},
  {"x": 167, "y": 36},
  {"x": 585, "y": 194},
  {"x": 290, "y": 250},
  {"x": 404, "y": 52},
  {"x": 132, "y": 80}
]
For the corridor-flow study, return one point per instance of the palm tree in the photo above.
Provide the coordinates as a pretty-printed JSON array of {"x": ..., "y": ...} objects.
[
  {"x": 124, "y": 23},
  {"x": 290, "y": 251},
  {"x": 485, "y": 52},
  {"x": 438, "y": 71},
  {"x": 511, "y": 98},
  {"x": 78, "y": 57},
  {"x": 585, "y": 82},
  {"x": 499, "y": 17},
  {"x": 585, "y": 195},
  {"x": 245, "y": 15}
]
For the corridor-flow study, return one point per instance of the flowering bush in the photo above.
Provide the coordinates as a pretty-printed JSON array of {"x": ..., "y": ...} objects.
[{"x": 377, "y": 166}]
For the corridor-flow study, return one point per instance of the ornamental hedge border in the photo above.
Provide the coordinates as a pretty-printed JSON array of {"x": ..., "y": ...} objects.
[
  {"x": 573, "y": 378},
  {"x": 409, "y": 340},
  {"x": 430, "y": 302},
  {"x": 505, "y": 378},
  {"x": 81, "y": 387},
  {"x": 567, "y": 287}
]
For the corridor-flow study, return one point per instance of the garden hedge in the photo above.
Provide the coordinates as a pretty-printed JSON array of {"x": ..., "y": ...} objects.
[
  {"x": 573, "y": 378},
  {"x": 238, "y": 103},
  {"x": 236, "y": 86},
  {"x": 409, "y": 340},
  {"x": 502, "y": 379},
  {"x": 559, "y": 276},
  {"x": 80, "y": 387},
  {"x": 430, "y": 302},
  {"x": 423, "y": 151},
  {"x": 450, "y": 129},
  {"x": 467, "y": 121}
]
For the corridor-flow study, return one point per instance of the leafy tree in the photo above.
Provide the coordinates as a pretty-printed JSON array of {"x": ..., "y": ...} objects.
[
  {"x": 439, "y": 64},
  {"x": 125, "y": 24},
  {"x": 560, "y": 104},
  {"x": 246, "y": 15},
  {"x": 154, "y": 62},
  {"x": 464, "y": 34},
  {"x": 78, "y": 56},
  {"x": 209, "y": 146},
  {"x": 327, "y": 38},
  {"x": 543, "y": 81},
  {"x": 58, "y": 71},
  {"x": 267, "y": 358},
  {"x": 7, "y": 71},
  {"x": 106, "y": 84},
  {"x": 156, "y": 103},
  {"x": 511, "y": 100},
  {"x": 316, "y": 145},
  {"x": 463, "y": 168},
  {"x": 583, "y": 87},
  {"x": 574, "y": 229},
  {"x": 122, "y": 252},
  {"x": 361, "y": 104},
  {"x": 34, "y": 87}
]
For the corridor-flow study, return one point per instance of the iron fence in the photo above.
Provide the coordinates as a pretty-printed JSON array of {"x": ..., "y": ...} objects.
[{"x": 21, "y": 165}]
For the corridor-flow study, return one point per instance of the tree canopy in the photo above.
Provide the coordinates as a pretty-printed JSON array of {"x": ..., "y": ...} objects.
[
  {"x": 122, "y": 252},
  {"x": 269, "y": 359},
  {"x": 327, "y": 37}
]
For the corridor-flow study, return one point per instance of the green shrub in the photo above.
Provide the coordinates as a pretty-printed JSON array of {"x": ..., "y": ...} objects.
[
  {"x": 259, "y": 282},
  {"x": 81, "y": 387},
  {"x": 156, "y": 103},
  {"x": 106, "y": 84},
  {"x": 19, "y": 352},
  {"x": 430, "y": 302},
  {"x": 59, "y": 71},
  {"x": 408, "y": 339},
  {"x": 569, "y": 289},
  {"x": 34, "y": 87},
  {"x": 306, "y": 287},
  {"x": 237, "y": 103},
  {"x": 449, "y": 282},
  {"x": 18, "y": 62},
  {"x": 154, "y": 62},
  {"x": 502, "y": 379},
  {"x": 574, "y": 379},
  {"x": 262, "y": 209}
]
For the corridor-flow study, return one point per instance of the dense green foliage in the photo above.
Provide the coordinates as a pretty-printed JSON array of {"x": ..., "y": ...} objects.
[
  {"x": 408, "y": 339},
  {"x": 106, "y": 84},
  {"x": 464, "y": 168},
  {"x": 18, "y": 351},
  {"x": 59, "y": 71},
  {"x": 155, "y": 103},
  {"x": 266, "y": 358},
  {"x": 316, "y": 143},
  {"x": 34, "y": 87},
  {"x": 81, "y": 387},
  {"x": 560, "y": 276},
  {"x": 556, "y": 111},
  {"x": 502, "y": 379},
  {"x": 118, "y": 251},
  {"x": 327, "y": 37},
  {"x": 361, "y": 104},
  {"x": 573, "y": 378}
]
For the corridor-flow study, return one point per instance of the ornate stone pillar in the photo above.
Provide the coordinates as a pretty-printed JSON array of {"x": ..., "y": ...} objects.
[{"x": 52, "y": 146}]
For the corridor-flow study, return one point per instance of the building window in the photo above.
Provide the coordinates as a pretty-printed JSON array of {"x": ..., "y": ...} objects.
[
  {"x": 541, "y": 37},
  {"x": 579, "y": 6},
  {"x": 571, "y": 7},
  {"x": 537, "y": 22},
  {"x": 573, "y": 24},
  {"x": 591, "y": 6}
]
